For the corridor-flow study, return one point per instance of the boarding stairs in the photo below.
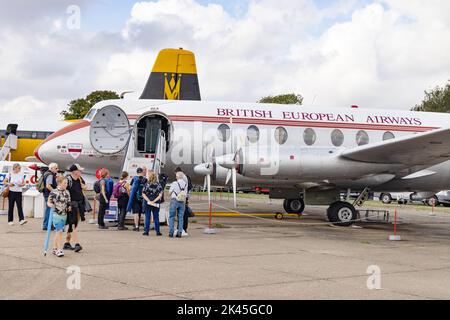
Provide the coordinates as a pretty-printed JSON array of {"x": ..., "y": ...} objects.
[
  {"x": 9, "y": 145},
  {"x": 155, "y": 161}
]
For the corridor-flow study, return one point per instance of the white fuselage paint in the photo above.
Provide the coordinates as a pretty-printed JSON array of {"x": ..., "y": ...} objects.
[{"x": 299, "y": 164}]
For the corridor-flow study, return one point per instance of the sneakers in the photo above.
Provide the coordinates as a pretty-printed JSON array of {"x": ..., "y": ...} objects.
[
  {"x": 11, "y": 223},
  {"x": 22, "y": 222},
  {"x": 136, "y": 229},
  {"x": 78, "y": 248},
  {"x": 145, "y": 234},
  {"x": 103, "y": 227},
  {"x": 184, "y": 234},
  {"x": 59, "y": 253},
  {"x": 122, "y": 228},
  {"x": 68, "y": 246},
  {"x": 54, "y": 251},
  {"x": 159, "y": 234},
  {"x": 170, "y": 235},
  {"x": 178, "y": 235}
]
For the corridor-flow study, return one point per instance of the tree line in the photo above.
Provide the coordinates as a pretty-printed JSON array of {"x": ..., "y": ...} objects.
[{"x": 435, "y": 100}]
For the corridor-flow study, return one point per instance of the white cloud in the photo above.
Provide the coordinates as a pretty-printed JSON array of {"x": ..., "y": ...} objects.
[{"x": 379, "y": 55}]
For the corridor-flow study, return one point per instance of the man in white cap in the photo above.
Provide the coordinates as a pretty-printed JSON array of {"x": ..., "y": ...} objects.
[{"x": 76, "y": 186}]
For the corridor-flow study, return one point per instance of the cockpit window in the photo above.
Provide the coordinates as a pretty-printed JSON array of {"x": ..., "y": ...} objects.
[{"x": 90, "y": 114}]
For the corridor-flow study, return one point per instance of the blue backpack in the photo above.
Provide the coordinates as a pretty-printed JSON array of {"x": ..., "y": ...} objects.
[
  {"x": 109, "y": 186},
  {"x": 141, "y": 181}
]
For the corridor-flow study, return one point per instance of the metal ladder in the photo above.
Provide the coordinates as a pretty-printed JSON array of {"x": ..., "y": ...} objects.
[
  {"x": 160, "y": 154},
  {"x": 131, "y": 162},
  {"x": 363, "y": 197},
  {"x": 10, "y": 144}
]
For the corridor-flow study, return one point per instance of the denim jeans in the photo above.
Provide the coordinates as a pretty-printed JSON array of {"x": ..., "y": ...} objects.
[
  {"x": 176, "y": 207},
  {"x": 46, "y": 213},
  {"x": 149, "y": 210}
]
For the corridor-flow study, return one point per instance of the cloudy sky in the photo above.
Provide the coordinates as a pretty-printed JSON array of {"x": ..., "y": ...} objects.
[{"x": 376, "y": 54}]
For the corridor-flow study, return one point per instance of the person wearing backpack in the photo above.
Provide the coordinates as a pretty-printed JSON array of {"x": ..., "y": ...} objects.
[
  {"x": 187, "y": 210},
  {"x": 103, "y": 198},
  {"x": 121, "y": 192},
  {"x": 76, "y": 187},
  {"x": 46, "y": 184},
  {"x": 152, "y": 194},
  {"x": 178, "y": 193},
  {"x": 136, "y": 200}
]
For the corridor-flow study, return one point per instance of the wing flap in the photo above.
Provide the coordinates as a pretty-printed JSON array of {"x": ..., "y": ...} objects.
[{"x": 426, "y": 148}]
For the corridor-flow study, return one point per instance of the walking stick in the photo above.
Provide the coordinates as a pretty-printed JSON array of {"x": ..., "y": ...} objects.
[{"x": 49, "y": 231}]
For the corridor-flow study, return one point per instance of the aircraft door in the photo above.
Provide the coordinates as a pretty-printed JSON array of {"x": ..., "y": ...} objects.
[{"x": 110, "y": 130}]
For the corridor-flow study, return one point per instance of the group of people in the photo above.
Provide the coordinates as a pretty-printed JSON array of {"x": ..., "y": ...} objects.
[
  {"x": 144, "y": 195},
  {"x": 66, "y": 202}
]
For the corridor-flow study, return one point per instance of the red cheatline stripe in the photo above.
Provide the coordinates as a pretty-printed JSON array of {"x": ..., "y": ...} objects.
[
  {"x": 75, "y": 150},
  {"x": 294, "y": 123}
]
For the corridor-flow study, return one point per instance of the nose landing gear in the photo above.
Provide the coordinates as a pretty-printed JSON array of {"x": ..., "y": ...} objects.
[{"x": 294, "y": 206}]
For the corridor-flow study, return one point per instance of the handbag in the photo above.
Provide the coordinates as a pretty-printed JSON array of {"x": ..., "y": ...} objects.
[
  {"x": 87, "y": 205},
  {"x": 5, "y": 192}
]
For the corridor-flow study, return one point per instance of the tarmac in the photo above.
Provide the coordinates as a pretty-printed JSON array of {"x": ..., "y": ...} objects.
[{"x": 250, "y": 257}]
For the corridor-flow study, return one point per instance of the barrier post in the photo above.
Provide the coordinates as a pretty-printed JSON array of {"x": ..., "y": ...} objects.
[
  {"x": 210, "y": 229},
  {"x": 395, "y": 237},
  {"x": 432, "y": 209}
]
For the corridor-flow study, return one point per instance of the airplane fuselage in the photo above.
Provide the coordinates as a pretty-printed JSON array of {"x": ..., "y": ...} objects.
[{"x": 307, "y": 142}]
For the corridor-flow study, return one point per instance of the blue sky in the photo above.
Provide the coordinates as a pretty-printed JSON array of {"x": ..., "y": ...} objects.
[
  {"x": 341, "y": 52},
  {"x": 111, "y": 15}
]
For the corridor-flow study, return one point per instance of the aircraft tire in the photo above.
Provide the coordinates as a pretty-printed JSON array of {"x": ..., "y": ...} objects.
[
  {"x": 433, "y": 200},
  {"x": 341, "y": 214},
  {"x": 386, "y": 198},
  {"x": 294, "y": 206}
]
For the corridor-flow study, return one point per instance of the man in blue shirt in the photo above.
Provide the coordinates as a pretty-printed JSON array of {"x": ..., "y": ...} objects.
[{"x": 136, "y": 200}]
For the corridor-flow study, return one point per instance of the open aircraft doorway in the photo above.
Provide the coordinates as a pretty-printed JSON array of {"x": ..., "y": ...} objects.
[{"x": 147, "y": 131}]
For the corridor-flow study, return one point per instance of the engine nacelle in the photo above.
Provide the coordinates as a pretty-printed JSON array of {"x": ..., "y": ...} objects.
[{"x": 292, "y": 163}]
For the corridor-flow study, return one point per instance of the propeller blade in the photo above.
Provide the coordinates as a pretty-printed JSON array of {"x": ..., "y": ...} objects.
[
  {"x": 204, "y": 184},
  {"x": 228, "y": 177}
]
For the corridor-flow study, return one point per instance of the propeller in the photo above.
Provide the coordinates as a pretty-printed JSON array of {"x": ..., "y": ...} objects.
[
  {"x": 206, "y": 169},
  {"x": 232, "y": 161}
]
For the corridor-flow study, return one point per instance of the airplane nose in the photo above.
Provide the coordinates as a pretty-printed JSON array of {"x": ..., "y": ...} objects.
[{"x": 41, "y": 152}]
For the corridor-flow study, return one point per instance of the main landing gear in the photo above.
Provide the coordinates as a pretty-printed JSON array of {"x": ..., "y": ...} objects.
[{"x": 342, "y": 213}]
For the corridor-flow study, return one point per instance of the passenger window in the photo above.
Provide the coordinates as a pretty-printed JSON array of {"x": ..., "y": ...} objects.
[
  {"x": 253, "y": 134},
  {"x": 337, "y": 137},
  {"x": 309, "y": 136},
  {"x": 281, "y": 135},
  {"x": 388, "y": 135},
  {"x": 223, "y": 132},
  {"x": 362, "y": 138}
]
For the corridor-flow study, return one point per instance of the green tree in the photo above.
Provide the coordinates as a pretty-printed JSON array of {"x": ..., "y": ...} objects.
[
  {"x": 78, "y": 108},
  {"x": 290, "y": 98},
  {"x": 436, "y": 100}
]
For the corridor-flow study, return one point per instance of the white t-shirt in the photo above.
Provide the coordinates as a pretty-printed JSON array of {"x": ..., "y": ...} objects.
[{"x": 17, "y": 179}]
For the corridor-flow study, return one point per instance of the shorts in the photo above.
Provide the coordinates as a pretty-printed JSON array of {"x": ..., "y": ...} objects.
[
  {"x": 137, "y": 207},
  {"x": 73, "y": 217},
  {"x": 59, "y": 221}
]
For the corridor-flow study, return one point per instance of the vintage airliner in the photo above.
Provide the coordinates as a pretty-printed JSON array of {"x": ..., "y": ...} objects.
[{"x": 305, "y": 155}]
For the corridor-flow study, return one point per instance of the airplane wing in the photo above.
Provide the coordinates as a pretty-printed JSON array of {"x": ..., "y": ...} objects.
[{"x": 426, "y": 148}]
